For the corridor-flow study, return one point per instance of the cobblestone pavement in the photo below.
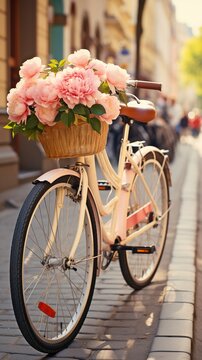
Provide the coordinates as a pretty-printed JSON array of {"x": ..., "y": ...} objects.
[{"x": 122, "y": 323}]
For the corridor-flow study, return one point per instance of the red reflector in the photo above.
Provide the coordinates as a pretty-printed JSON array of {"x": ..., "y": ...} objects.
[{"x": 46, "y": 309}]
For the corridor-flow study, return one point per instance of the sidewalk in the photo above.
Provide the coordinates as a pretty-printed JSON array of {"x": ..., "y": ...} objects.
[
  {"x": 13, "y": 198},
  {"x": 121, "y": 324},
  {"x": 175, "y": 331}
]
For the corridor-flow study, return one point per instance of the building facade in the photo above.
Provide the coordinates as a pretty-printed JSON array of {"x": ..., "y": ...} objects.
[
  {"x": 53, "y": 29},
  {"x": 120, "y": 43},
  {"x": 159, "y": 45},
  {"x": 8, "y": 157}
]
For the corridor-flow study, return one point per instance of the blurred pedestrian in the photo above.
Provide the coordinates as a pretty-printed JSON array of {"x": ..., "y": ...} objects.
[
  {"x": 162, "y": 107},
  {"x": 175, "y": 112},
  {"x": 184, "y": 125},
  {"x": 195, "y": 122}
]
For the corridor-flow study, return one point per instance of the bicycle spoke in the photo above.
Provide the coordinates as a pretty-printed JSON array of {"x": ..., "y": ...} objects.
[
  {"x": 138, "y": 269},
  {"x": 53, "y": 292}
]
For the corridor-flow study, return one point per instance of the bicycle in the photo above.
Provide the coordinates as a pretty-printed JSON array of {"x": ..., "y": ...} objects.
[{"x": 60, "y": 244}]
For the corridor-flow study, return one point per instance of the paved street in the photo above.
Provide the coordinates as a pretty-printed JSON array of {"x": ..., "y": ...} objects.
[
  {"x": 154, "y": 323},
  {"x": 197, "y": 341}
]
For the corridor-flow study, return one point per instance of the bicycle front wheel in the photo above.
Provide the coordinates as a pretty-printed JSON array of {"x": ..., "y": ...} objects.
[
  {"x": 139, "y": 269},
  {"x": 51, "y": 297}
]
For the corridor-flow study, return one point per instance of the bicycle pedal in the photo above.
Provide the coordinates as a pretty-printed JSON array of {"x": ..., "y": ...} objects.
[
  {"x": 103, "y": 185},
  {"x": 134, "y": 249}
]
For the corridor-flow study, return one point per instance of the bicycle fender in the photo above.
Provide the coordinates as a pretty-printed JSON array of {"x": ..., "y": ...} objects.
[
  {"x": 51, "y": 176},
  {"x": 143, "y": 151}
]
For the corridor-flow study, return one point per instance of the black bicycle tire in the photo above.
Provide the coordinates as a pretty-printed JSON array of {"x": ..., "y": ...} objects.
[
  {"x": 130, "y": 280},
  {"x": 16, "y": 274}
]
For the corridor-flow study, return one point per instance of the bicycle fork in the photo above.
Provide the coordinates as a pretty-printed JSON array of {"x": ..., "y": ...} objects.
[
  {"x": 59, "y": 202},
  {"x": 83, "y": 188}
]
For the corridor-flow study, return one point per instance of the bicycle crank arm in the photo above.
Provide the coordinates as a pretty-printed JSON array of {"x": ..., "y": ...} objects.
[{"x": 134, "y": 249}]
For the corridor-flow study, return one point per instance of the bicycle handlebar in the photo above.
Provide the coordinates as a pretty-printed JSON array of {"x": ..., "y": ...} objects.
[{"x": 145, "y": 84}]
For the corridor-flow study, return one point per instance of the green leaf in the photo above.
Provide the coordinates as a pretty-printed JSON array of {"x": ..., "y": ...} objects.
[
  {"x": 30, "y": 129},
  {"x": 9, "y": 126},
  {"x": 104, "y": 88},
  {"x": 64, "y": 118},
  {"x": 98, "y": 109},
  {"x": 123, "y": 97},
  {"x": 58, "y": 117},
  {"x": 62, "y": 62},
  {"x": 63, "y": 108},
  {"x": 81, "y": 109},
  {"x": 71, "y": 117},
  {"x": 54, "y": 70},
  {"x": 54, "y": 61},
  {"x": 53, "y": 66},
  {"x": 32, "y": 122},
  {"x": 68, "y": 118},
  {"x": 96, "y": 124},
  {"x": 40, "y": 127},
  {"x": 17, "y": 129}
]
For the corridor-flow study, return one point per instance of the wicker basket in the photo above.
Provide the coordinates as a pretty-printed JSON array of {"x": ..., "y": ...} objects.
[{"x": 60, "y": 141}]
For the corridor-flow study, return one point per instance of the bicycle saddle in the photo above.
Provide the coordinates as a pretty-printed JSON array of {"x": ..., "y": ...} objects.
[{"x": 142, "y": 111}]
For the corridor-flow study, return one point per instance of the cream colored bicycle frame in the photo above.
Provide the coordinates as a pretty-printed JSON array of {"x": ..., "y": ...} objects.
[{"x": 117, "y": 207}]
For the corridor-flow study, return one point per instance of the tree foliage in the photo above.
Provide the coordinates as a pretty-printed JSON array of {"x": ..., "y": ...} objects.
[{"x": 191, "y": 63}]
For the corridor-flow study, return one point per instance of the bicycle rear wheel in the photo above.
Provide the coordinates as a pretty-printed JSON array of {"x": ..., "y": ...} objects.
[
  {"x": 51, "y": 298},
  {"x": 139, "y": 269}
]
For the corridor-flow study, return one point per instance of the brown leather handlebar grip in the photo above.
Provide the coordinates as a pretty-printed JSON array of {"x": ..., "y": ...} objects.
[{"x": 151, "y": 85}]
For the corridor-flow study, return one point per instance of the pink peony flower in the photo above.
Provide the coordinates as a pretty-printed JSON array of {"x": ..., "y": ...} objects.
[
  {"x": 79, "y": 58},
  {"x": 45, "y": 93},
  {"x": 116, "y": 77},
  {"x": 31, "y": 68},
  {"x": 17, "y": 108},
  {"x": 111, "y": 105},
  {"x": 25, "y": 89},
  {"x": 98, "y": 66},
  {"x": 46, "y": 115},
  {"x": 77, "y": 85}
]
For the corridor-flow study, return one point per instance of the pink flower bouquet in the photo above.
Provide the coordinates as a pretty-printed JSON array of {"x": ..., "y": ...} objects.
[{"x": 67, "y": 90}]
